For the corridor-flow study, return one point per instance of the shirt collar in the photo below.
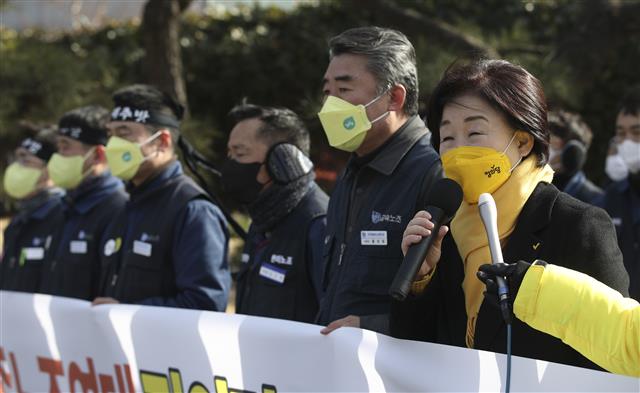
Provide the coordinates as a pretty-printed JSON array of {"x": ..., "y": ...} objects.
[
  {"x": 54, "y": 199},
  {"x": 92, "y": 191},
  {"x": 171, "y": 170},
  {"x": 388, "y": 157}
]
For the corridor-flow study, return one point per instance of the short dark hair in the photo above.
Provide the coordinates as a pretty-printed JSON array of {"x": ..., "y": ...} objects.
[
  {"x": 47, "y": 134},
  {"x": 92, "y": 119},
  {"x": 390, "y": 58},
  {"x": 151, "y": 98},
  {"x": 569, "y": 126},
  {"x": 279, "y": 124},
  {"x": 508, "y": 88},
  {"x": 630, "y": 103}
]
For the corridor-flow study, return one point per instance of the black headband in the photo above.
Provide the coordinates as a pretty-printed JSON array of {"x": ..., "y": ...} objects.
[
  {"x": 143, "y": 116},
  {"x": 40, "y": 149},
  {"x": 80, "y": 131}
]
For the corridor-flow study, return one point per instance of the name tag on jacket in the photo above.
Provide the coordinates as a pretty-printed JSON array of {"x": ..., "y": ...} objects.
[
  {"x": 373, "y": 238},
  {"x": 142, "y": 248},
  {"x": 78, "y": 246},
  {"x": 33, "y": 253},
  {"x": 272, "y": 273}
]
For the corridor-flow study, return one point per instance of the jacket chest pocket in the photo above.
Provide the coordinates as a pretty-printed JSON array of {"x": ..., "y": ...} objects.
[
  {"x": 140, "y": 277},
  {"x": 375, "y": 264},
  {"x": 79, "y": 260}
]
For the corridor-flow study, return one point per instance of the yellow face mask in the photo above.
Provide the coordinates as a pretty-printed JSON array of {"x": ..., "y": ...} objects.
[
  {"x": 66, "y": 172},
  {"x": 346, "y": 124},
  {"x": 125, "y": 157},
  {"x": 20, "y": 181},
  {"x": 477, "y": 169}
]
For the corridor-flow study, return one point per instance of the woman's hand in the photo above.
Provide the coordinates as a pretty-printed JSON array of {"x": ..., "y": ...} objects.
[{"x": 419, "y": 227}]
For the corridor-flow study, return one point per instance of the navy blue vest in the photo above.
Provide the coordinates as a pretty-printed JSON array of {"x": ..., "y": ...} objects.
[
  {"x": 74, "y": 269},
  {"x": 136, "y": 257},
  {"x": 368, "y": 212},
  {"x": 28, "y": 243},
  {"x": 279, "y": 285}
]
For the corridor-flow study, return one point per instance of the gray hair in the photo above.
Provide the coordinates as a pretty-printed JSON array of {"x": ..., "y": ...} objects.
[{"x": 390, "y": 58}]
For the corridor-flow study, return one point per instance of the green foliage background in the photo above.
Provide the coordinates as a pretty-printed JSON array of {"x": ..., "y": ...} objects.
[{"x": 586, "y": 53}]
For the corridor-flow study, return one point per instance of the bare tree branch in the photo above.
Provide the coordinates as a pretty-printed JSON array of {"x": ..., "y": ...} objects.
[
  {"x": 440, "y": 31},
  {"x": 525, "y": 49}
]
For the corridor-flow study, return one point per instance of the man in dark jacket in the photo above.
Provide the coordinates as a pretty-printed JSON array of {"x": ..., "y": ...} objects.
[
  {"x": 269, "y": 171},
  {"x": 371, "y": 109},
  {"x": 31, "y": 234},
  {"x": 93, "y": 196},
  {"x": 622, "y": 197},
  {"x": 168, "y": 247},
  {"x": 569, "y": 142}
]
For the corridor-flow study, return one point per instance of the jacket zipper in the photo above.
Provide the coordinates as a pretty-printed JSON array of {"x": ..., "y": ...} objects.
[{"x": 342, "y": 247}]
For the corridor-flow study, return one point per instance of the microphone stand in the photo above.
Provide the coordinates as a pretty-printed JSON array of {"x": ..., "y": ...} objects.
[{"x": 489, "y": 216}]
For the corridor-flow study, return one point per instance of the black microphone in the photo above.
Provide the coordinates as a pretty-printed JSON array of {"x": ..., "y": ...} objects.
[{"x": 442, "y": 203}]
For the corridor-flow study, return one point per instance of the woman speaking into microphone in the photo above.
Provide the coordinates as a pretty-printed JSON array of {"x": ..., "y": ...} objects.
[{"x": 489, "y": 124}]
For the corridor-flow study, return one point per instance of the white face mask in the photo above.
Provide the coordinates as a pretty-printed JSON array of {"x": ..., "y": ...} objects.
[
  {"x": 630, "y": 153},
  {"x": 615, "y": 168}
]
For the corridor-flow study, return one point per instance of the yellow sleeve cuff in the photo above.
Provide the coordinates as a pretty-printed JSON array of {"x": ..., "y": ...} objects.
[
  {"x": 418, "y": 286},
  {"x": 526, "y": 300}
]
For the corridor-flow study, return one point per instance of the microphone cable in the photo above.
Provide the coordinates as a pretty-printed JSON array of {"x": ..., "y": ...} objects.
[{"x": 508, "y": 382}]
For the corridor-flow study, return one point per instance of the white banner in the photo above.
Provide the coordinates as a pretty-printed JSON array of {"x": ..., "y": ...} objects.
[{"x": 62, "y": 345}]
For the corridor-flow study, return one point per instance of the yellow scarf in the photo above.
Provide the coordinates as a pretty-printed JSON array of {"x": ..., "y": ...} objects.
[{"x": 471, "y": 238}]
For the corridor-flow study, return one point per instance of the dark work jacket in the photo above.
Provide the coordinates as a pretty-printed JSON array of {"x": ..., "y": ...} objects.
[
  {"x": 623, "y": 205},
  {"x": 74, "y": 269},
  {"x": 275, "y": 278},
  {"x": 553, "y": 227},
  {"x": 368, "y": 212},
  {"x": 28, "y": 241},
  {"x": 583, "y": 189},
  {"x": 168, "y": 247}
]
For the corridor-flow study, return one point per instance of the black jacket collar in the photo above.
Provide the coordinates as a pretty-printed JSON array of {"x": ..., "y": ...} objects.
[{"x": 389, "y": 155}]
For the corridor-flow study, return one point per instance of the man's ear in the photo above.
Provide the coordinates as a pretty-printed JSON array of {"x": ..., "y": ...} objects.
[
  {"x": 398, "y": 96},
  {"x": 165, "y": 139},
  {"x": 99, "y": 157}
]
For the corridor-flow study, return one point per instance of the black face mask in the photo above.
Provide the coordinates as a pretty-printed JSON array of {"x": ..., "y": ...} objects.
[{"x": 239, "y": 180}]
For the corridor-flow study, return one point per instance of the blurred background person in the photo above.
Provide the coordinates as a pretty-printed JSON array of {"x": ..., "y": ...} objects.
[
  {"x": 32, "y": 234},
  {"x": 93, "y": 197},
  {"x": 489, "y": 123},
  {"x": 268, "y": 171},
  {"x": 615, "y": 167},
  {"x": 169, "y": 246},
  {"x": 568, "y": 147},
  {"x": 622, "y": 197}
]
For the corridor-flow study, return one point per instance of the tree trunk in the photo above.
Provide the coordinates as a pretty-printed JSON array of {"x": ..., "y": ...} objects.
[{"x": 160, "y": 30}]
